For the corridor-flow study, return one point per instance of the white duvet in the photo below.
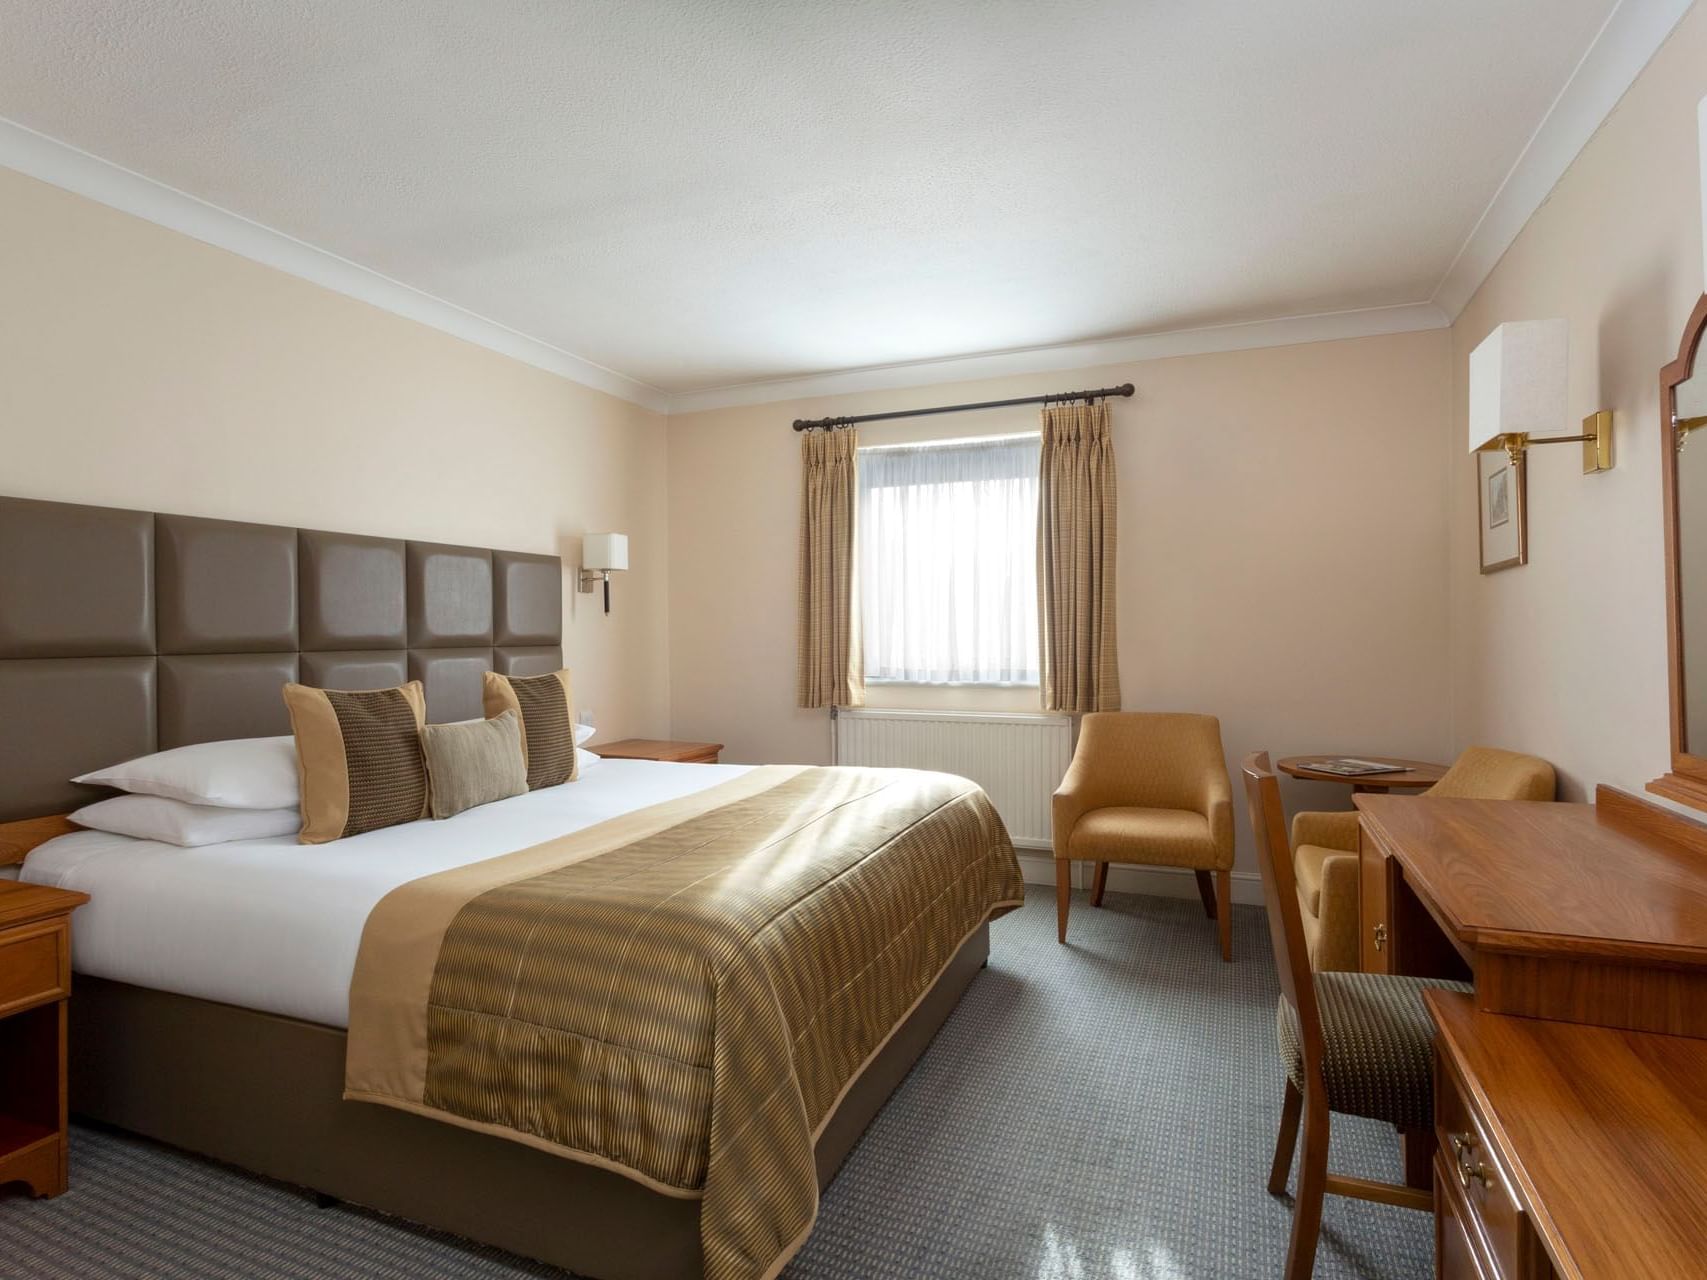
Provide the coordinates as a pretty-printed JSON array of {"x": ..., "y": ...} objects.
[{"x": 274, "y": 925}]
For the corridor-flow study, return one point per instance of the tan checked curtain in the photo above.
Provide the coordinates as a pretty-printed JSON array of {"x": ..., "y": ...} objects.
[
  {"x": 1075, "y": 560},
  {"x": 828, "y": 667}
]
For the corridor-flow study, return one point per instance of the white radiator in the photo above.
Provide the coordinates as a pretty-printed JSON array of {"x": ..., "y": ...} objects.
[{"x": 1018, "y": 759}]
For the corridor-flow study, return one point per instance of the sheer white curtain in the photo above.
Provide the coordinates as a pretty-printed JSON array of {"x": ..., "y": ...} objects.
[{"x": 948, "y": 561}]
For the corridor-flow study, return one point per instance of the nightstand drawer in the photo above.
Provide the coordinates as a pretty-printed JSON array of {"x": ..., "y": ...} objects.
[{"x": 35, "y": 965}]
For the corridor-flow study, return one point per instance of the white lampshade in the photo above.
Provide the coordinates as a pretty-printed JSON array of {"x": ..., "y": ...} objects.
[
  {"x": 1518, "y": 381},
  {"x": 1701, "y": 134},
  {"x": 604, "y": 551}
]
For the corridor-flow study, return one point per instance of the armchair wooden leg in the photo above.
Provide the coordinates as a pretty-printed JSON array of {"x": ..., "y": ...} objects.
[
  {"x": 1099, "y": 882},
  {"x": 1224, "y": 912},
  {"x": 1206, "y": 891},
  {"x": 1063, "y": 896},
  {"x": 1312, "y": 1186},
  {"x": 1287, "y": 1139}
]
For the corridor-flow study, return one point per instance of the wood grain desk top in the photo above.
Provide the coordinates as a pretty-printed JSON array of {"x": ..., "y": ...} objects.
[
  {"x": 1606, "y": 1130},
  {"x": 1603, "y": 881}
]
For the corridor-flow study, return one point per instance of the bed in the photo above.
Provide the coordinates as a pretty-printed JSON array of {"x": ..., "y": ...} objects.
[{"x": 213, "y": 1007}]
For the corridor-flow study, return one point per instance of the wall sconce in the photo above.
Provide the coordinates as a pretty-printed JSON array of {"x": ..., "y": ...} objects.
[
  {"x": 601, "y": 555},
  {"x": 1517, "y": 387}
]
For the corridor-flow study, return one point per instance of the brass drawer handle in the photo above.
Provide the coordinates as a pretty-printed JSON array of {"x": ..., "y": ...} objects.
[
  {"x": 1381, "y": 935},
  {"x": 1469, "y": 1168}
]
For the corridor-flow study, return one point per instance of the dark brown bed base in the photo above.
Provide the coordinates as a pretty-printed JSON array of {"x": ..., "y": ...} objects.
[{"x": 264, "y": 1093}]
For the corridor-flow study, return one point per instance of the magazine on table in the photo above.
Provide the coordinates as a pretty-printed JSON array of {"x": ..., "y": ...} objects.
[{"x": 1350, "y": 767}]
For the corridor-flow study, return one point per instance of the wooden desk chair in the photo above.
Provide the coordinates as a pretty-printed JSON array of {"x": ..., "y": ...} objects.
[
  {"x": 1147, "y": 787},
  {"x": 1357, "y": 1043}
]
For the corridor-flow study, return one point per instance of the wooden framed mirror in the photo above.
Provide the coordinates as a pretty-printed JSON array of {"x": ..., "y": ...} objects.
[{"x": 1683, "y": 464}]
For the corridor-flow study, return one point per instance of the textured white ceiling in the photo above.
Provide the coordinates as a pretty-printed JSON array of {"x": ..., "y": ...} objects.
[{"x": 711, "y": 192}]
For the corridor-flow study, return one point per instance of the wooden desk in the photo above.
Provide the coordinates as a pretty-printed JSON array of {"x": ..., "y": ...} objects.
[
  {"x": 1586, "y": 913},
  {"x": 1573, "y": 1138},
  {"x": 1416, "y": 773},
  {"x": 1566, "y": 1150}
]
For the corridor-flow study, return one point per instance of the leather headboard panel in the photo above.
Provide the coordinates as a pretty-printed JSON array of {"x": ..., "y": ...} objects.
[
  {"x": 224, "y": 587},
  {"x": 75, "y": 581},
  {"x": 354, "y": 593},
  {"x": 125, "y": 632}
]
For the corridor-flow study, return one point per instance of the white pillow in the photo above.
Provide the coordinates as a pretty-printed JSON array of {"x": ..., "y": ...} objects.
[
  {"x": 584, "y": 733},
  {"x": 585, "y": 760},
  {"x": 175, "y": 822},
  {"x": 244, "y": 773}
]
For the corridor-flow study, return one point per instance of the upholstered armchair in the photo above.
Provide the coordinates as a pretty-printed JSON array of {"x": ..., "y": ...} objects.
[
  {"x": 1324, "y": 847},
  {"x": 1151, "y": 788}
]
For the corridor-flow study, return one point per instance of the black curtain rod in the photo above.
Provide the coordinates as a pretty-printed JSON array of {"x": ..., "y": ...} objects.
[{"x": 830, "y": 424}]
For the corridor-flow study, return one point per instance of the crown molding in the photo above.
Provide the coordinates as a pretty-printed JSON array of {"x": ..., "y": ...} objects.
[
  {"x": 1325, "y": 327},
  {"x": 62, "y": 165},
  {"x": 1631, "y": 35}
]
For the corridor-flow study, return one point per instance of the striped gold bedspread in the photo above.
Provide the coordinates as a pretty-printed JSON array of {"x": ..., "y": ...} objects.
[{"x": 682, "y": 994}]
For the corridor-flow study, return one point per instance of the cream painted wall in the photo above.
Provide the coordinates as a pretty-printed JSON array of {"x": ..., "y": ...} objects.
[
  {"x": 142, "y": 368},
  {"x": 1565, "y": 657},
  {"x": 1282, "y": 548}
]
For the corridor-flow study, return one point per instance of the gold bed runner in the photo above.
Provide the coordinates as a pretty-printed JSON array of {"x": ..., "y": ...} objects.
[{"x": 682, "y": 994}]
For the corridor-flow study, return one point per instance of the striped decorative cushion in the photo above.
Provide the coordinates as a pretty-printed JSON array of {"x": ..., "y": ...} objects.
[
  {"x": 359, "y": 757},
  {"x": 1378, "y": 1058},
  {"x": 474, "y": 763},
  {"x": 546, "y": 708}
]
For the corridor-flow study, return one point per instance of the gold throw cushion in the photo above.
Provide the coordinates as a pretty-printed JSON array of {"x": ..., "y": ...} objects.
[
  {"x": 547, "y": 712},
  {"x": 474, "y": 763},
  {"x": 358, "y": 755}
]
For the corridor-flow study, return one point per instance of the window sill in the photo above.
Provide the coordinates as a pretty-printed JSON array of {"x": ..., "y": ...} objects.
[{"x": 887, "y": 683}]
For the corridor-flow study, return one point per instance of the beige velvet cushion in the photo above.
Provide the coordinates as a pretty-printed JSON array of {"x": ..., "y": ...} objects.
[
  {"x": 474, "y": 763},
  {"x": 1164, "y": 837},
  {"x": 358, "y": 756},
  {"x": 546, "y": 708}
]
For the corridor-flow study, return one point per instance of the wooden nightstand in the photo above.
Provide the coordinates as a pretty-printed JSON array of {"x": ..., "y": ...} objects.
[
  {"x": 658, "y": 749},
  {"x": 35, "y": 980}
]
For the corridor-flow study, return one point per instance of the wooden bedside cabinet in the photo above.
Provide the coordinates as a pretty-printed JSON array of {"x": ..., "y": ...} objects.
[
  {"x": 35, "y": 981},
  {"x": 658, "y": 749}
]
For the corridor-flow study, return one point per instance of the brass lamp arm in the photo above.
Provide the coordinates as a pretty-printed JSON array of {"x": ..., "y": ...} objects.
[
  {"x": 1683, "y": 426},
  {"x": 1597, "y": 457}
]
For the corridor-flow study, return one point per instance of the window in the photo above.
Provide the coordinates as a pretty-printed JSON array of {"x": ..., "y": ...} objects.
[{"x": 948, "y": 561}]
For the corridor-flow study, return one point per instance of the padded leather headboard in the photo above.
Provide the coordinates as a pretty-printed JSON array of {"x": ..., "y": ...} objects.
[{"x": 126, "y": 632}]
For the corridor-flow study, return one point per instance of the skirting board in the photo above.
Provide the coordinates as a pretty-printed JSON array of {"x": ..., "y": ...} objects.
[{"x": 1161, "y": 882}]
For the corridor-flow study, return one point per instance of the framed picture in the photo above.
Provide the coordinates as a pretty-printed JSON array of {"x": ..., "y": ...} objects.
[{"x": 1501, "y": 509}]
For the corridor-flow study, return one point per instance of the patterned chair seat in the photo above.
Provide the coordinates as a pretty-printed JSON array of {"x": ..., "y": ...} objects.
[{"x": 1378, "y": 1045}]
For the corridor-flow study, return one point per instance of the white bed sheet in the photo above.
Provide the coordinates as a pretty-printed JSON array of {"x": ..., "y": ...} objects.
[{"x": 274, "y": 925}]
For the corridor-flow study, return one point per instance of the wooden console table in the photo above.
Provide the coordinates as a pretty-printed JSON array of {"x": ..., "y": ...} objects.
[{"x": 1568, "y": 1091}]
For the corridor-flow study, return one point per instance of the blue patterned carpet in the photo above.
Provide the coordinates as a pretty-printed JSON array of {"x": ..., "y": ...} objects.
[{"x": 1105, "y": 1109}]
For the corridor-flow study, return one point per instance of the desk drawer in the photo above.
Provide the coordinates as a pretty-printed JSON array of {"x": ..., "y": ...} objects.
[
  {"x": 1473, "y": 1180},
  {"x": 1457, "y": 1255},
  {"x": 35, "y": 965}
]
